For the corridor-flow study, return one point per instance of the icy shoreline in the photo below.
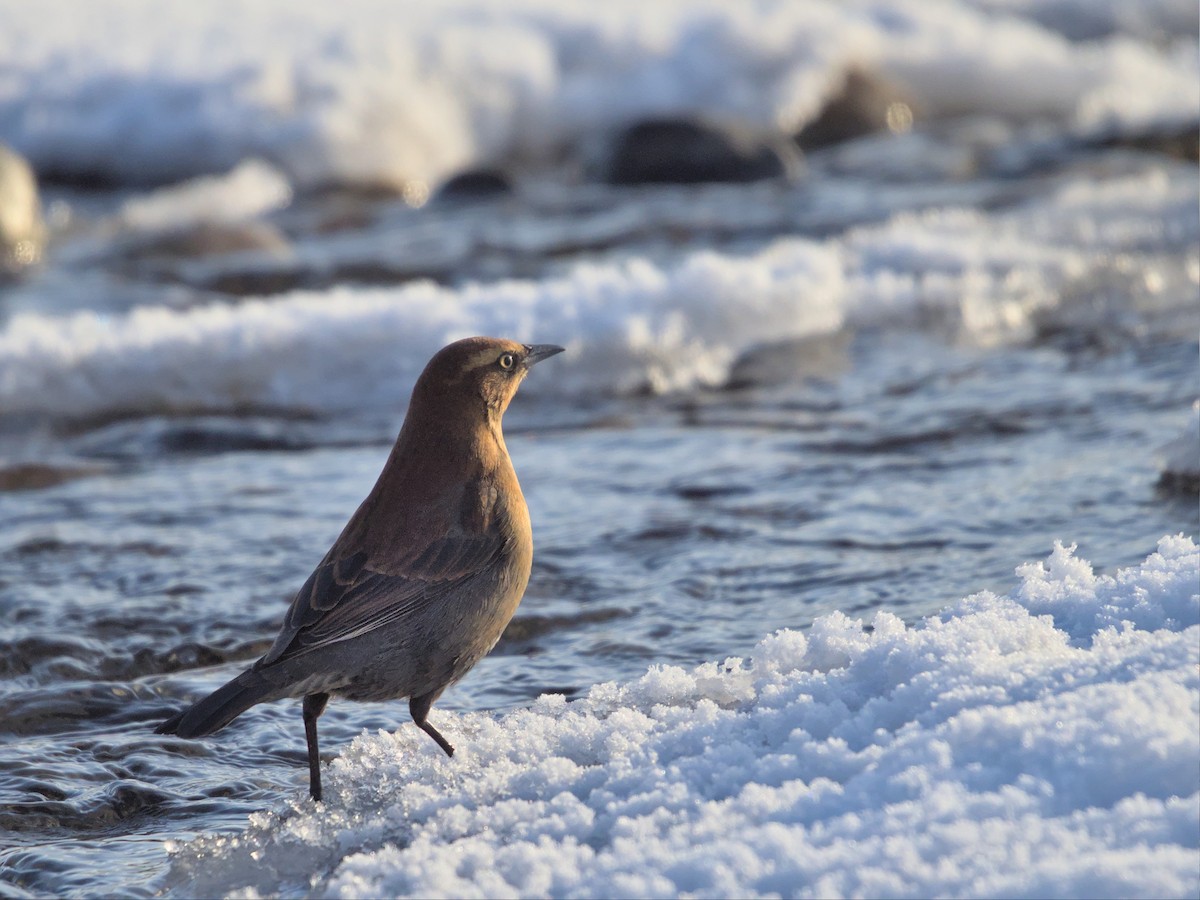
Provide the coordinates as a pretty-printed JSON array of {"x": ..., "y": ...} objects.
[
  {"x": 1046, "y": 743},
  {"x": 631, "y": 325},
  {"x": 351, "y": 96}
]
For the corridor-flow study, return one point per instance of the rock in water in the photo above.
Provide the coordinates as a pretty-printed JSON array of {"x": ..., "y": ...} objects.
[
  {"x": 676, "y": 151},
  {"x": 22, "y": 232},
  {"x": 475, "y": 185},
  {"x": 865, "y": 104}
]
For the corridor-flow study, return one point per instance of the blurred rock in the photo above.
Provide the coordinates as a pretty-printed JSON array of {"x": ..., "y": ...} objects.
[
  {"x": 866, "y": 104},
  {"x": 802, "y": 359},
  {"x": 475, "y": 184},
  {"x": 1181, "y": 142},
  {"x": 1180, "y": 459},
  {"x": 29, "y": 475},
  {"x": 22, "y": 231},
  {"x": 676, "y": 151},
  {"x": 210, "y": 239},
  {"x": 228, "y": 257}
]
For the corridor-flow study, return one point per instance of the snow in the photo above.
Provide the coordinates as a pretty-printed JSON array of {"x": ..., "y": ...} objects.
[
  {"x": 1046, "y": 743},
  {"x": 628, "y": 325},
  {"x": 251, "y": 189},
  {"x": 138, "y": 91}
]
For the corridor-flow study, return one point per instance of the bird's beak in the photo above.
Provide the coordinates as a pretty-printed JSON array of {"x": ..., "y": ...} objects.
[{"x": 535, "y": 353}]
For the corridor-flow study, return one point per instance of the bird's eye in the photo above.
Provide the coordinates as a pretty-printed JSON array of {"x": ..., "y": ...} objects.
[{"x": 507, "y": 361}]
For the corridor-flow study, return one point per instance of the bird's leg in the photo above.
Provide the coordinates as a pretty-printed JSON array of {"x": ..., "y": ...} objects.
[
  {"x": 314, "y": 705},
  {"x": 419, "y": 707}
]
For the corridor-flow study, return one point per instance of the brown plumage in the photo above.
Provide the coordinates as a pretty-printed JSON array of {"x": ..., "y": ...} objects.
[{"x": 426, "y": 574}]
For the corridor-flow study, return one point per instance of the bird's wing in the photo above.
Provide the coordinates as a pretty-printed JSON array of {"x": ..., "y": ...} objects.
[{"x": 349, "y": 595}]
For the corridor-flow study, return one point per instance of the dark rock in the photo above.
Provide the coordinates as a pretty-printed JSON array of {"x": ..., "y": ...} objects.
[
  {"x": 29, "y": 476},
  {"x": 1179, "y": 483},
  {"x": 821, "y": 357},
  {"x": 866, "y": 104},
  {"x": 474, "y": 185},
  {"x": 675, "y": 151},
  {"x": 245, "y": 282},
  {"x": 1180, "y": 142}
]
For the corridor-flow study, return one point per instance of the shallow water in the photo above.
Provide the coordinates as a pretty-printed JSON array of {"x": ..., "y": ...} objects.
[
  {"x": 667, "y": 530},
  {"x": 880, "y": 385}
]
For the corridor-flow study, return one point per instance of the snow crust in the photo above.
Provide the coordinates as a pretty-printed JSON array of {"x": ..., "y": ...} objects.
[{"x": 1042, "y": 744}]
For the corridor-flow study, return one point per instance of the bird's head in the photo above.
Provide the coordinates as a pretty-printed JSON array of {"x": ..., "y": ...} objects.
[{"x": 479, "y": 369}]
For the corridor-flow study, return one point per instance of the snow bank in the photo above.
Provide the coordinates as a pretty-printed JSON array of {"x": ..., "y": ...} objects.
[
  {"x": 1042, "y": 744},
  {"x": 138, "y": 91},
  {"x": 629, "y": 326}
]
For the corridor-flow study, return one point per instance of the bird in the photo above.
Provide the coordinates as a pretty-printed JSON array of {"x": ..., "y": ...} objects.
[{"x": 424, "y": 577}]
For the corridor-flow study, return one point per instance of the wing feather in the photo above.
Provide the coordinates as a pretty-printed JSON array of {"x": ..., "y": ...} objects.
[{"x": 349, "y": 595}]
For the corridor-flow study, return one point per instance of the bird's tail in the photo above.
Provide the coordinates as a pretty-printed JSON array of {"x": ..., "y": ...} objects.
[{"x": 220, "y": 707}]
